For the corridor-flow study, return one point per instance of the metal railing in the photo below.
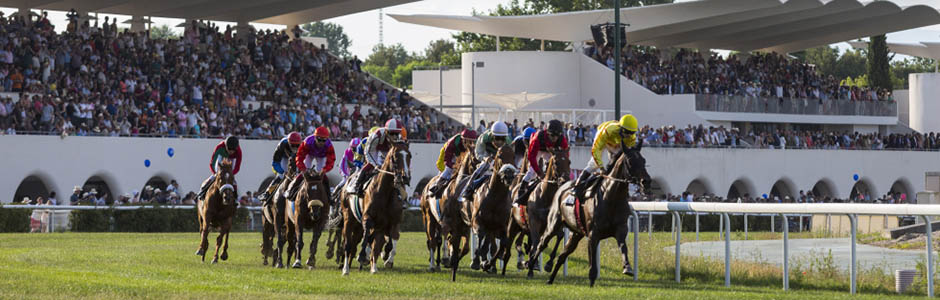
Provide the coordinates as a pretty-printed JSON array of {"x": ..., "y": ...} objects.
[
  {"x": 768, "y": 105},
  {"x": 785, "y": 210}
]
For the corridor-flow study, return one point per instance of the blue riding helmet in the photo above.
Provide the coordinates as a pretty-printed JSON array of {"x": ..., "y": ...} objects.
[{"x": 528, "y": 132}]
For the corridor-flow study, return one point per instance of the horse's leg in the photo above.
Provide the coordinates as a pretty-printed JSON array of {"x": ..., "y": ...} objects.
[
  {"x": 278, "y": 261},
  {"x": 298, "y": 244},
  {"x": 226, "y": 229},
  {"x": 312, "y": 257},
  {"x": 330, "y": 236},
  {"x": 559, "y": 236},
  {"x": 479, "y": 252},
  {"x": 569, "y": 248},
  {"x": 350, "y": 244},
  {"x": 218, "y": 246},
  {"x": 621, "y": 237},
  {"x": 554, "y": 223},
  {"x": 340, "y": 250},
  {"x": 454, "y": 255},
  {"x": 267, "y": 241},
  {"x": 593, "y": 258},
  {"x": 377, "y": 244},
  {"x": 393, "y": 248},
  {"x": 505, "y": 250},
  {"x": 203, "y": 239},
  {"x": 368, "y": 235},
  {"x": 291, "y": 240}
]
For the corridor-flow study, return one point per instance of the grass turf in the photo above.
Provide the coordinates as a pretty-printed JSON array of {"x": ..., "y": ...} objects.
[{"x": 153, "y": 265}]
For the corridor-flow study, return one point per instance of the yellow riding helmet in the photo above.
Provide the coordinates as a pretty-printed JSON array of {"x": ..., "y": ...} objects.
[
  {"x": 373, "y": 130},
  {"x": 628, "y": 122}
]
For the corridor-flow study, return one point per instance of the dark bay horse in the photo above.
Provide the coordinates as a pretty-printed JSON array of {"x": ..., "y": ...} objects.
[
  {"x": 379, "y": 211},
  {"x": 438, "y": 211},
  {"x": 217, "y": 211},
  {"x": 532, "y": 219},
  {"x": 272, "y": 218},
  {"x": 491, "y": 210},
  {"x": 308, "y": 210},
  {"x": 603, "y": 215}
]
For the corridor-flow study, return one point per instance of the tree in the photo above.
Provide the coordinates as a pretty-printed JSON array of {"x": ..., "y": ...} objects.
[
  {"x": 163, "y": 32},
  {"x": 901, "y": 69},
  {"x": 825, "y": 59},
  {"x": 338, "y": 41},
  {"x": 437, "y": 50},
  {"x": 402, "y": 75},
  {"x": 879, "y": 70},
  {"x": 385, "y": 60}
]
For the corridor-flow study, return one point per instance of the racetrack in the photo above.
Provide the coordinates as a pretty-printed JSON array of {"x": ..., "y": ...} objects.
[{"x": 152, "y": 265}]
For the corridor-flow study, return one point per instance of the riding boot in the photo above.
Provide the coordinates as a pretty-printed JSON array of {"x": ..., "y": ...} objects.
[
  {"x": 523, "y": 195},
  {"x": 292, "y": 189},
  {"x": 360, "y": 182},
  {"x": 581, "y": 184},
  {"x": 204, "y": 188}
]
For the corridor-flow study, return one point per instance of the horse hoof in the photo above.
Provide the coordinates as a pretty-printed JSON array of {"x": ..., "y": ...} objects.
[
  {"x": 628, "y": 271},
  {"x": 445, "y": 261},
  {"x": 200, "y": 252},
  {"x": 215, "y": 260},
  {"x": 311, "y": 263},
  {"x": 475, "y": 265},
  {"x": 296, "y": 265},
  {"x": 548, "y": 265},
  {"x": 264, "y": 263},
  {"x": 329, "y": 254},
  {"x": 224, "y": 256},
  {"x": 549, "y": 282},
  {"x": 520, "y": 266},
  {"x": 389, "y": 265}
]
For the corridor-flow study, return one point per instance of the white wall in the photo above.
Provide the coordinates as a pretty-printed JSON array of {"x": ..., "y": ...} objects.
[
  {"x": 924, "y": 102},
  {"x": 426, "y": 86},
  {"x": 63, "y": 163},
  {"x": 904, "y": 108}
]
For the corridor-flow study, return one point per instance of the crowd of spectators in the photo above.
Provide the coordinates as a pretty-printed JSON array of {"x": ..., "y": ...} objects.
[
  {"x": 754, "y": 75},
  {"x": 95, "y": 80},
  {"x": 802, "y": 197}
]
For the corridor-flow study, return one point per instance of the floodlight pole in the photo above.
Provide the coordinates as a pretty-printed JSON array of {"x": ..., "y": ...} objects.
[{"x": 617, "y": 38}]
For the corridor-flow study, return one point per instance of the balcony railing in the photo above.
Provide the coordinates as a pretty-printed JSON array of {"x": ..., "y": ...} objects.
[{"x": 744, "y": 104}]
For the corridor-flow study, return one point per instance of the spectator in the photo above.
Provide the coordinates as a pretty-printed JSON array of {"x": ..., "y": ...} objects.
[
  {"x": 76, "y": 197},
  {"x": 51, "y": 200}
]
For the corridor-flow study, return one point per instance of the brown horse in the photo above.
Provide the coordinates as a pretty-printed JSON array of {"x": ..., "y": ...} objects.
[
  {"x": 531, "y": 219},
  {"x": 603, "y": 215},
  {"x": 217, "y": 210},
  {"x": 308, "y": 210},
  {"x": 490, "y": 211},
  {"x": 272, "y": 219},
  {"x": 443, "y": 217},
  {"x": 379, "y": 211}
]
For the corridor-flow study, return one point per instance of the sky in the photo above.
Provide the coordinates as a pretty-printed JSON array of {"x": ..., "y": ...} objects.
[{"x": 363, "y": 28}]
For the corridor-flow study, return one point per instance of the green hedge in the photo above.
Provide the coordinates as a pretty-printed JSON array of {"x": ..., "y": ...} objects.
[
  {"x": 153, "y": 219},
  {"x": 411, "y": 221},
  {"x": 14, "y": 219}
]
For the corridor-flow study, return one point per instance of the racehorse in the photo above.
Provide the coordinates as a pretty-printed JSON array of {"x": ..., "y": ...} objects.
[
  {"x": 272, "y": 220},
  {"x": 531, "y": 219},
  {"x": 377, "y": 215},
  {"x": 308, "y": 210},
  {"x": 490, "y": 211},
  {"x": 217, "y": 211},
  {"x": 444, "y": 217},
  {"x": 602, "y": 215}
]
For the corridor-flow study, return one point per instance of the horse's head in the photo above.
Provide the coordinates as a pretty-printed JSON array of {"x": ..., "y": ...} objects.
[
  {"x": 312, "y": 192},
  {"x": 632, "y": 166},
  {"x": 225, "y": 180},
  {"x": 559, "y": 166},
  {"x": 399, "y": 161},
  {"x": 505, "y": 161}
]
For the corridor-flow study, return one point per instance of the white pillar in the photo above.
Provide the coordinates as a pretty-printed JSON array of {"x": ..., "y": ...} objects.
[
  {"x": 497, "y": 43},
  {"x": 138, "y": 23}
]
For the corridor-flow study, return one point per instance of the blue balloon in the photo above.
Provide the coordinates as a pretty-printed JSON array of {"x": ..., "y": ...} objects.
[
  {"x": 765, "y": 196},
  {"x": 855, "y": 177},
  {"x": 147, "y": 163},
  {"x": 170, "y": 152}
]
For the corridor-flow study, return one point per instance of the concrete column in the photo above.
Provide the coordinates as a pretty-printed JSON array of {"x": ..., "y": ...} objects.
[
  {"x": 138, "y": 23},
  {"x": 243, "y": 30}
]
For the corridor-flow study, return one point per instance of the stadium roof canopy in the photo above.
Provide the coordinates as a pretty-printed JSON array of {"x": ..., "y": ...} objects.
[
  {"x": 743, "y": 25},
  {"x": 922, "y": 49},
  {"x": 283, "y": 12}
]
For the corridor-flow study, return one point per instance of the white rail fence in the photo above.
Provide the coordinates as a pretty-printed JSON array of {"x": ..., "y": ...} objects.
[
  {"x": 784, "y": 210},
  {"x": 676, "y": 210}
]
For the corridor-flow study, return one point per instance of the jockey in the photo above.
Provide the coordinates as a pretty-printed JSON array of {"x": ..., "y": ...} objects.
[
  {"x": 283, "y": 159},
  {"x": 542, "y": 142},
  {"x": 610, "y": 136},
  {"x": 375, "y": 148},
  {"x": 486, "y": 147},
  {"x": 360, "y": 150},
  {"x": 446, "y": 160},
  {"x": 315, "y": 153},
  {"x": 349, "y": 164},
  {"x": 225, "y": 149},
  {"x": 520, "y": 144}
]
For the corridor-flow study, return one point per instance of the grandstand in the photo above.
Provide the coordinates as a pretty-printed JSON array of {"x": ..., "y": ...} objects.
[{"x": 121, "y": 87}]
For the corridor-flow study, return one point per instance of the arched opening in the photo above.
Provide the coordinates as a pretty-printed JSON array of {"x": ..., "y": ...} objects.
[
  {"x": 32, "y": 187},
  {"x": 739, "y": 189},
  {"x": 156, "y": 182},
  {"x": 658, "y": 188},
  {"x": 698, "y": 188},
  {"x": 901, "y": 192},
  {"x": 781, "y": 191},
  {"x": 862, "y": 191},
  {"x": 99, "y": 187},
  {"x": 823, "y": 191}
]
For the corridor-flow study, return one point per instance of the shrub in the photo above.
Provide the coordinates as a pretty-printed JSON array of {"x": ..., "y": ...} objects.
[{"x": 14, "y": 219}]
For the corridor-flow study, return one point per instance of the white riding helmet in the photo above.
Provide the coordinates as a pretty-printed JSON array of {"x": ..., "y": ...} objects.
[{"x": 499, "y": 129}]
